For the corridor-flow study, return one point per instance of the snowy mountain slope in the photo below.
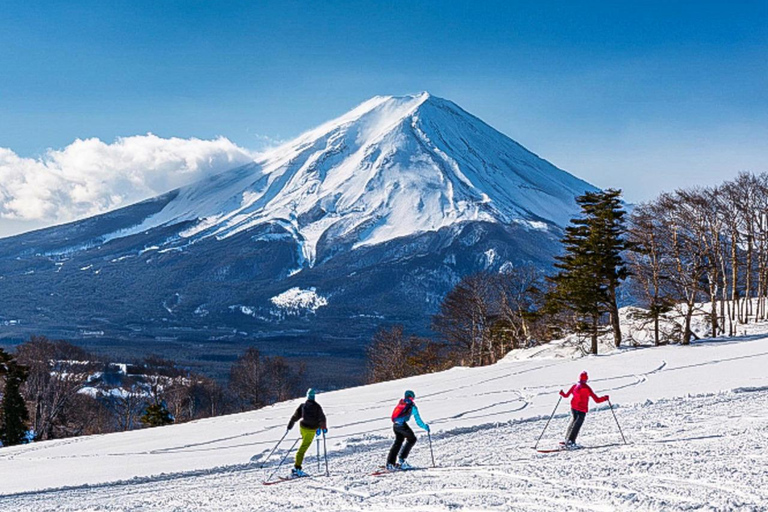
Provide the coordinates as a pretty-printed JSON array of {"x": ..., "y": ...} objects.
[
  {"x": 695, "y": 418},
  {"x": 390, "y": 168}
]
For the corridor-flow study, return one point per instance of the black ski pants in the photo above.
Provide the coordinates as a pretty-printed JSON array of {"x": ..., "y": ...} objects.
[
  {"x": 576, "y": 421},
  {"x": 402, "y": 432}
]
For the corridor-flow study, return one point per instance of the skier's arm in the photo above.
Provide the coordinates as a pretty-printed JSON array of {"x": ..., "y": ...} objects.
[
  {"x": 296, "y": 416},
  {"x": 322, "y": 420},
  {"x": 417, "y": 417},
  {"x": 597, "y": 399},
  {"x": 566, "y": 395}
]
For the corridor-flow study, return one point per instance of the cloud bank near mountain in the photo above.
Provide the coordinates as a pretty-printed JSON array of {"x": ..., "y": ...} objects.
[{"x": 90, "y": 176}]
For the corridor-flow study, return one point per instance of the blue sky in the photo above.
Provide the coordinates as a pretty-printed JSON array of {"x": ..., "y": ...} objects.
[{"x": 644, "y": 96}]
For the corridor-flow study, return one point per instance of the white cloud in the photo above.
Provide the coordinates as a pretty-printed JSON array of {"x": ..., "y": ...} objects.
[{"x": 89, "y": 176}]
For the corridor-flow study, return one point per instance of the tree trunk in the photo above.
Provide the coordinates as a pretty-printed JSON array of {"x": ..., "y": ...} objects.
[
  {"x": 713, "y": 307},
  {"x": 594, "y": 335},
  {"x": 687, "y": 333},
  {"x": 734, "y": 274},
  {"x": 615, "y": 321},
  {"x": 748, "y": 284}
]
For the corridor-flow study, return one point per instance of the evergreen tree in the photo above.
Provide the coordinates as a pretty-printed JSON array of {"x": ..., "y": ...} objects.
[
  {"x": 592, "y": 267},
  {"x": 13, "y": 409},
  {"x": 156, "y": 415}
]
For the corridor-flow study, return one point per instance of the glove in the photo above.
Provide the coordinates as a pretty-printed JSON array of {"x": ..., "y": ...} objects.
[
  {"x": 427, "y": 429},
  {"x": 290, "y": 426},
  {"x": 318, "y": 431}
]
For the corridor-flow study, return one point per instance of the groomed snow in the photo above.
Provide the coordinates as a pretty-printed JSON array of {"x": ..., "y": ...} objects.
[{"x": 696, "y": 419}]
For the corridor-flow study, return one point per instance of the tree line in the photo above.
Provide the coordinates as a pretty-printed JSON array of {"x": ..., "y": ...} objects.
[
  {"x": 698, "y": 249},
  {"x": 704, "y": 244},
  {"x": 53, "y": 389}
]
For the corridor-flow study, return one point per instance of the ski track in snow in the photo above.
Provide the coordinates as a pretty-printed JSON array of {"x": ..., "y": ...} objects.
[{"x": 696, "y": 419}]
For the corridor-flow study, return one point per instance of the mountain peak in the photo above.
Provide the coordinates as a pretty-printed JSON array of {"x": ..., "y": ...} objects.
[{"x": 391, "y": 167}]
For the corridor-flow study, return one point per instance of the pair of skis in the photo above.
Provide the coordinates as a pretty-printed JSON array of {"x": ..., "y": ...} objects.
[
  {"x": 379, "y": 472},
  {"x": 563, "y": 448},
  {"x": 384, "y": 471},
  {"x": 291, "y": 478}
]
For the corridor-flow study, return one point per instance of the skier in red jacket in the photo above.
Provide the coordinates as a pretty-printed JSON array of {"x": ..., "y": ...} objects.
[{"x": 579, "y": 406}]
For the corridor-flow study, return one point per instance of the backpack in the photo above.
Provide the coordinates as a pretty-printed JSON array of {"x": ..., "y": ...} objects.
[{"x": 402, "y": 409}]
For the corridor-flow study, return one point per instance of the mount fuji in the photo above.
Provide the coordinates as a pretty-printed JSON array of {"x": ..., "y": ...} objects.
[{"x": 366, "y": 220}]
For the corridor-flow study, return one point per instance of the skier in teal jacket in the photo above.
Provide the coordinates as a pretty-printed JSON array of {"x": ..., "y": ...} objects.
[{"x": 400, "y": 416}]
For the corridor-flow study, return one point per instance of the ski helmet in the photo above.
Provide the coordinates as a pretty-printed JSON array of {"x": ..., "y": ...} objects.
[
  {"x": 311, "y": 394},
  {"x": 584, "y": 377},
  {"x": 410, "y": 394}
]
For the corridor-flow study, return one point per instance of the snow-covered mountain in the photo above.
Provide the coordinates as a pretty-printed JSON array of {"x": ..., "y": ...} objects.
[
  {"x": 391, "y": 168},
  {"x": 369, "y": 218}
]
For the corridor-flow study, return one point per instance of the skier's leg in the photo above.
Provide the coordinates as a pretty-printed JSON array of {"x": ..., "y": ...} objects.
[
  {"x": 411, "y": 440},
  {"x": 578, "y": 421},
  {"x": 569, "y": 432},
  {"x": 307, "y": 436},
  {"x": 392, "y": 457}
]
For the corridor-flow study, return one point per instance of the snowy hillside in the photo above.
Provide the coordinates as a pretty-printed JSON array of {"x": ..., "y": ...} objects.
[
  {"x": 392, "y": 167},
  {"x": 695, "y": 418}
]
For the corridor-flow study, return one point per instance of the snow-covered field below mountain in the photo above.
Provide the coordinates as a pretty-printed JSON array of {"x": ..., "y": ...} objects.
[{"x": 695, "y": 418}]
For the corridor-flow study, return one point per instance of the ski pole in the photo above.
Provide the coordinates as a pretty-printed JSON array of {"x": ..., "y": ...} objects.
[
  {"x": 617, "y": 422},
  {"x": 325, "y": 453},
  {"x": 282, "y": 460},
  {"x": 273, "y": 450},
  {"x": 429, "y": 436},
  {"x": 545, "y": 426},
  {"x": 318, "y": 453}
]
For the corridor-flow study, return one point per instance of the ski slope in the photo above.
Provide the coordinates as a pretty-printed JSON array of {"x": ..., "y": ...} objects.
[{"x": 696, "y": 419}]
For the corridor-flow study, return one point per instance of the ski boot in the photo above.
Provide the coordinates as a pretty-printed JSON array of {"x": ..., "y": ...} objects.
[
  {"x": 403, "y": 465},
  {"x": 298, "y": 473}
]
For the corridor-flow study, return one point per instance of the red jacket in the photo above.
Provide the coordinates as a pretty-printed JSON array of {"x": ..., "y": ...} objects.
[{"x": 581, "y": 393}]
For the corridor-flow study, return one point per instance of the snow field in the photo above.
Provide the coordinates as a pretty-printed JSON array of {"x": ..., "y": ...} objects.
[
  {"x": 696, "y": 453},
  {"x": 697, "y": 431}
]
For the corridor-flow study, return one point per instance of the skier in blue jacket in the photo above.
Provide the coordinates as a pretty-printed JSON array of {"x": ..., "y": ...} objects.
[{"x": 400, "y": 416}]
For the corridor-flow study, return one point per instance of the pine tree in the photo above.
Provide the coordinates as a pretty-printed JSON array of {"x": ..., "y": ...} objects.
[
  {"x": 592, "y": 267},
  {"x": 156, "y": 415},
  {"x": 13, "y": 409}
]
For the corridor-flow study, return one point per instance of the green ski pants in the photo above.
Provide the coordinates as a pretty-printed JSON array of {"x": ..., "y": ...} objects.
[{"x": 307, "y": 436}]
